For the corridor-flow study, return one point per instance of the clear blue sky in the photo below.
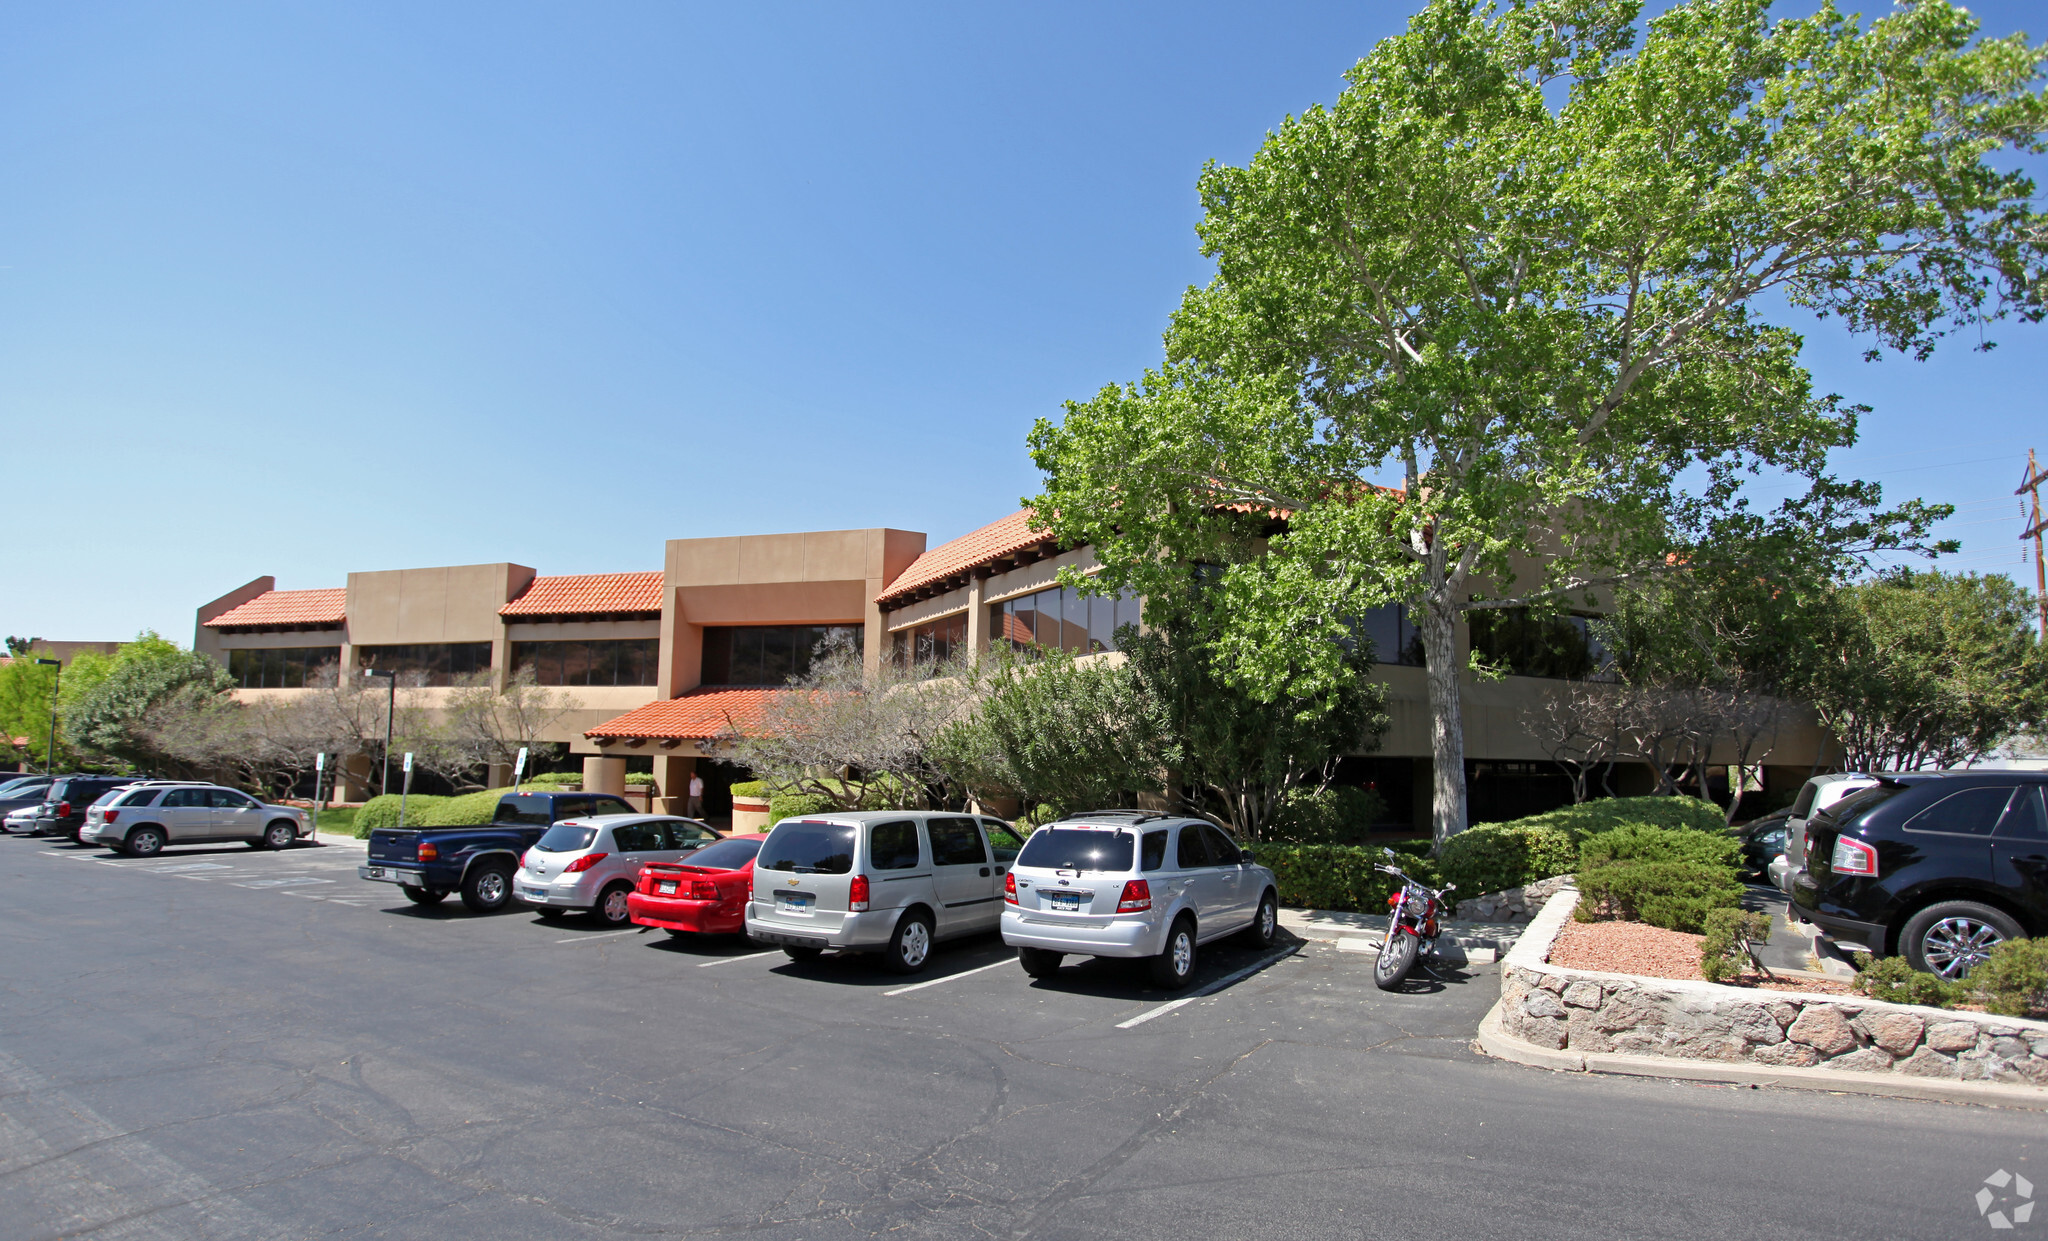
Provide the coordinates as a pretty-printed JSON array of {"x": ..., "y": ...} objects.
[{"x": 299, "y": 289}]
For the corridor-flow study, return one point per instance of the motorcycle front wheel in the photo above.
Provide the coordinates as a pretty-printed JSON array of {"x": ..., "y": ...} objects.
[{"x": 1397, "y": 957}]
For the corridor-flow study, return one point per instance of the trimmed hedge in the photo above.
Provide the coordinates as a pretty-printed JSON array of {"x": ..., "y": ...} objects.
[
  {"x": 1339, "y": 877},
  {"x": 750, "y": 788},
  {"x": 798, "y": 805},
  {"x": 382, "y": 811},
  {"x": 1673, "y": 878},
  {"x": 1492, "y": 857}
]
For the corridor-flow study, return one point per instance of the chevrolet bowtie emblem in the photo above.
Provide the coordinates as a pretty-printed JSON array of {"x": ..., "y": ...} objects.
[{"x": 792, "y": 883}]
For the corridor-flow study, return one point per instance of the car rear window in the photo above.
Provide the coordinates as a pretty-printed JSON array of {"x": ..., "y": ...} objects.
[
  {"x": 565, "y": 838},
  {"x": 725, "y": 855},
  {"x": 1852, "y": 808},
  {"x": 1802, "y": 805},
  {"x": 809, "y": 847},
  {"x": 519, "y": 808},
  {"x": 1078, "y": 848},
  {"x": 141, "y": 797}
]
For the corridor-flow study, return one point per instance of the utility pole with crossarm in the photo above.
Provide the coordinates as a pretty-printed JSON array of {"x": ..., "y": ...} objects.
[{"x": 2033, "y": 531}]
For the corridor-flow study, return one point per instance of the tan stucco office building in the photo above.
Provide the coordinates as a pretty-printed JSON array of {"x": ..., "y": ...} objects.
[{"x": 662, "y": 661}]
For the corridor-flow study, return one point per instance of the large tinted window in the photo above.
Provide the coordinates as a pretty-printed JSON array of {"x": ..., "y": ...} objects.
[
  {"x": 1395, "y": 639},
  {"x": 427, "y": 663},
  {"x": 1972, "y": 812},
  {"x": 1002, "y": 840},
  {"x": 1536, "y": 646},
  {"x": 614, "y": 661},
  {"x": 140, "y": 797},
  {"x": 893, "y": 846},
  {"x": 1221, "y": 847},
  {"x": 1193, "y": 850},
  {"x": 562, "y": 838},
  {"x": 640, "y": 838},
  {"x": 1078, "y": 848},
  {"x": 1061, "y": 619},
  {"x": 1153, "y": 856},
  {"x": 769, "y": 654},
  {"x": 933, "y": 642},
  {"x": 725, "y": 855},
  {"x": 187, "y": 798},
  {"x": 228, "y": 799},
  {"x": 284, "y": 667},
  {"x": 1802, "y": 805},
  {"x": 2023, "y": 818},
  {"x": 956, "y": 842},
  {"x": 809, "y": 847}
]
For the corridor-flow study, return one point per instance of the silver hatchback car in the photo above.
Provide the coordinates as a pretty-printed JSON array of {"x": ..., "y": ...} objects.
[
  {"x": 1127, "y": 883},
  {"x": 592, "y": 865}
]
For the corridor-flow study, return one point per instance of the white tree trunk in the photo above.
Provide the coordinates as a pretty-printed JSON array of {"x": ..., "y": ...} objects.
[{"x": 1446, "y": 716}]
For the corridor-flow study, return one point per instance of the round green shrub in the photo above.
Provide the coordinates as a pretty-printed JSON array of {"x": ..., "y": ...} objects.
[
  {"x": 1495, "y": 856},
  {"x": 1641, "y": 842},
  {"x": 1337, "y": 814},
  {"x": 1676, "y": 895},
  {"x": 750, "y": 788},
  {"x": 798, "y": 805},
  {"x": 1337, "y": 877},
  {"x": 2014, "y": 982}
]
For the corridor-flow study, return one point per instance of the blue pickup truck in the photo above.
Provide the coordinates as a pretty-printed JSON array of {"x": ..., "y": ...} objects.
[{"x": 430, "y": 862}]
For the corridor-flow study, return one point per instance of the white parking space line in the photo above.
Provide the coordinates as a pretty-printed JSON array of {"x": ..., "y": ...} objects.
[
  {"x": 747, "y": 956},
  {"x": 933, "y": 982},
  {"x": 584, "y": 939},
  {"x": 1209, "y": 990}
]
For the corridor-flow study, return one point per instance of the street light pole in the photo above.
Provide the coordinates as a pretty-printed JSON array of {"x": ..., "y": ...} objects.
[
  {"x": 56, "y": 683},
  {"x": 390, "y": 709}
]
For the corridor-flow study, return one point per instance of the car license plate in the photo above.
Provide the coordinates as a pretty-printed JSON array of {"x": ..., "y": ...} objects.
[
  {"x": 793, "y": 902},
  {"x": 667, "y": 889},
  {"x": 1063, "y": 902},
  {"x": 377, "y": 872},
  {"x": 534, "y": 894}
]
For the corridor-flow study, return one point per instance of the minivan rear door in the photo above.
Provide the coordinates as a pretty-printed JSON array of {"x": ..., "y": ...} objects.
[{"x": 803, "y": 876}]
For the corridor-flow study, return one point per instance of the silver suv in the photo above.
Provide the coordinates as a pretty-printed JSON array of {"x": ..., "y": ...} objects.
[
  {"x": 889, "y": 881},
  {"x": 1127, "y": 883},
  {"x": 141, "y": 821}
]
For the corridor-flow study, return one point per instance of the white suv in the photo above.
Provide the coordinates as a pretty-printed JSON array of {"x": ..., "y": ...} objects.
[{"x": 1127, "y": 883}]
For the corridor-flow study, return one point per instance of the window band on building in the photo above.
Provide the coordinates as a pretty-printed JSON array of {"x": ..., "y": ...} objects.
[
  {"x": 1560, "y": 647},
  {"x": 598, "y": 661},
  {"x": 770, "y": 654},
  {"x": 427, "y": 663},
  {"x": 933, "y": 642},
  {"x": 1061, "y": 619},
  {"x": 283, "y": 667}
]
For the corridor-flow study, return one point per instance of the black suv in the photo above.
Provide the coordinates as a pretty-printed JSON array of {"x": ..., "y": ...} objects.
[
  {"x": 64, "y": 805},
  {"x": 1938, "y": 868}
]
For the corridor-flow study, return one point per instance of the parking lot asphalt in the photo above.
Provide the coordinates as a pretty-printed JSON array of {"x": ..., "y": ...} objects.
[{"x": 224, "y": 1043}]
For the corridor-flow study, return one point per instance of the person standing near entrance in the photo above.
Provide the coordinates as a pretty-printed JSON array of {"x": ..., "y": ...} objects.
[{"x": 695, "y": 809}]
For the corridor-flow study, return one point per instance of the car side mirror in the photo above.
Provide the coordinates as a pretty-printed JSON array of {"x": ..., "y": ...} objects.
[
  {"x": 1387, "y": 851},
  {"x": 1245, "y": 852}
]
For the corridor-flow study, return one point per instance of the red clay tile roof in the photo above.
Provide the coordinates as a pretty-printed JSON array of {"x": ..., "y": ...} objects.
[
  {"x": 285, "y": 607},
  {"x": 588, "y": 594},
  {"x": 696, "y": 716},
  {"x": 970, "y": 551}
]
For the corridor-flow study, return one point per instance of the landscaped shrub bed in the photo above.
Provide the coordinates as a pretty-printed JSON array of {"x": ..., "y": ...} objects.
[
  {"x": 1492, "y": 857},
  {"x": 1340, "y": 877},
  {"x": 1672, "y": 878}
]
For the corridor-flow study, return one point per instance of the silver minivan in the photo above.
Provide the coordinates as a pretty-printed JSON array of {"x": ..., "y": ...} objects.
[
  {"x": 1130, "y": 883},
  {"x": 889, "y": 881}
]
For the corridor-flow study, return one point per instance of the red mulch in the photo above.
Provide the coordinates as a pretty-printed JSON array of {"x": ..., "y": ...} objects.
[{"x": 1637, "y": 948}]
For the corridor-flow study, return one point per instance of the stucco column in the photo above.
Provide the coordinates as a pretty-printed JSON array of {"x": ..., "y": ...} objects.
[
  {"x": 604, "y": 775},
  {"x": 977, "y": 620},
  {"x": 672, "y": 780}
]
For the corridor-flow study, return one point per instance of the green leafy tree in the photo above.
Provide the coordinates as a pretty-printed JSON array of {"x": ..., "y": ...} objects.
[
  {"x": 1521, "y": 270},
  {"x": 1928, "y": 669},
  {"x": 25, "y": 688},
  {"x": 148, "y": 676},
  {"x": 1065, "y": 733},
  {"x": 1236, "y": 754}
]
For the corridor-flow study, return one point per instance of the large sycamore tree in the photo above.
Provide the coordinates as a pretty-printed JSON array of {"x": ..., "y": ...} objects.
[{"x": 1494, "y": 330}]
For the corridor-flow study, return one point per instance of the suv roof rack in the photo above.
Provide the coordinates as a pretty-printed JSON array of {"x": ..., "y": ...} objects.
[{"x": 1137, "y": 816}]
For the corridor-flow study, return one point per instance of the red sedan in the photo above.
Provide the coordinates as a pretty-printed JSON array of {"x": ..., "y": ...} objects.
[{"x": 705, "y": 893}]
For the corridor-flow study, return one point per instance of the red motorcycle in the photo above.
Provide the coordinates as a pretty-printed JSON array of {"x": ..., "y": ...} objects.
[{"x": 1411, "y": 927}]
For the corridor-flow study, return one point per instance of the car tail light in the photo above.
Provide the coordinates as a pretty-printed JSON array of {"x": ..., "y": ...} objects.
[
  {"x": 1009, "y": 889},
  {"x": 1137, "y": 897},
  {"x": 703, "y": 890},
  {"x": 526, "y": 859},
  {"x": 108, "y": 816},
  {"x": 428, "y": 853},
  {"x": 857, "y": 895},
  {"x": 584, "y": 863},
  {"x": 1853, "y": 857},
  {"x": 63, "y": 809}
]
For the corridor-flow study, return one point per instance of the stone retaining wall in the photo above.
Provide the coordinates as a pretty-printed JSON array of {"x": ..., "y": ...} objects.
[{"x": 1590, "y": 1012}]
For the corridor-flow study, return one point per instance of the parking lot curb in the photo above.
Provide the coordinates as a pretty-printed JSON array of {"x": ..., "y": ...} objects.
[{"x": 1495, "y": 1041}]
